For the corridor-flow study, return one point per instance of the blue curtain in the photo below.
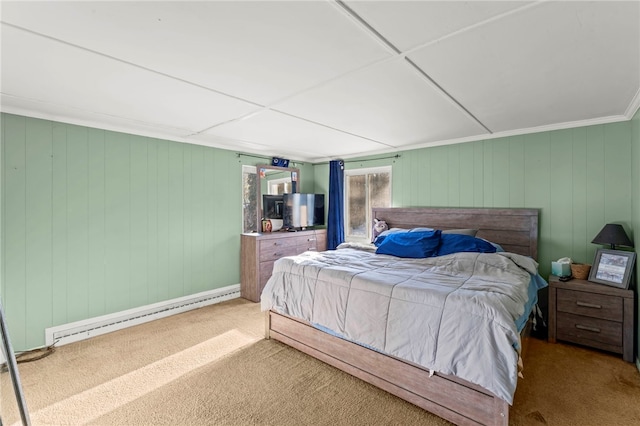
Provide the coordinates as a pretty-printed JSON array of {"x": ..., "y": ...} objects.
[{"x": 335, "y": 223}]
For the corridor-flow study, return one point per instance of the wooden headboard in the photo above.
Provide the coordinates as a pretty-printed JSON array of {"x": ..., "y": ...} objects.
[{"x": 516, "y": 230}]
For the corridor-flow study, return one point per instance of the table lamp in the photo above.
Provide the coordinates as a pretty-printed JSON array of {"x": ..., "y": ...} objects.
[{"x": 614, "y": 235}]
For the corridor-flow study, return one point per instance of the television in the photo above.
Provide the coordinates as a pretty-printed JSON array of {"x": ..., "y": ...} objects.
[
  {"x": 303, "y": 210},
  {"x": 272, "y": 206}
]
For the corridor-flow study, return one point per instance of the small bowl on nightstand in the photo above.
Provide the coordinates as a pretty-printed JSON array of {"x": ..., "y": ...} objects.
[{"x": 580, "y": 270}]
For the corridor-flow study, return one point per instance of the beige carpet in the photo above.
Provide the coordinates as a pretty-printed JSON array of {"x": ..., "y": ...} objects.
[{"x": 211, "y": 366}]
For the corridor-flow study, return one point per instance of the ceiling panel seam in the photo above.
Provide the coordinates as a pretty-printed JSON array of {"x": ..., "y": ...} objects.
[
  {"x": 260, "y": 107},
  {"x": 376, "y": 36},
  {"x": 269, "y": 107},
  {"x": 398, "y": 53},
  {"x": 473, "y": 26},
  {"x": 448, "y": 95},
  {"x": 341, "y": 5},
  {"x": 333, "y": 128},
  {"x": 113, "y": 58},
  {"x": 369, "y": 29},
  {"x": 246, "y": 116}
]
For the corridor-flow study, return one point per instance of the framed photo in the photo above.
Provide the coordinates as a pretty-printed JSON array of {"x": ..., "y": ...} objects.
[{"x": 612, "y": 267}]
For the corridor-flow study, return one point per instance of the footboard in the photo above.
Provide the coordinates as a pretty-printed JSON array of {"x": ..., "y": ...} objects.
[{"x": 451, "y": 398}]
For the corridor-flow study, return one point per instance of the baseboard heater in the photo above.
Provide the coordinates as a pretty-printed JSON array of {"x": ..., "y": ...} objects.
[{"x": 91, "y": 327}]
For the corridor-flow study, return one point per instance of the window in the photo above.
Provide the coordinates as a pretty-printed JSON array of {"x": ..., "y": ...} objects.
[
  {"x": 249, "y": 203},
  {"x": 365, "y": 189}
]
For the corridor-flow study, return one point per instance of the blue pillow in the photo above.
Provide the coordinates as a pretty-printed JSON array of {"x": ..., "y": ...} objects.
[
  {"x": 384, "y": 234},
  {"x": 456, "y": 243},
  {"x": 410, "y": 244}
]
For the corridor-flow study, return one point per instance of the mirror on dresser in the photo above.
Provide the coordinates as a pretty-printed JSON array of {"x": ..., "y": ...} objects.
[{"x": 274, "y": 180}]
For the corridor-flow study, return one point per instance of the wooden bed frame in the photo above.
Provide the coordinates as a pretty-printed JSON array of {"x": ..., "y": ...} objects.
[{"x": 449, "y": 397}]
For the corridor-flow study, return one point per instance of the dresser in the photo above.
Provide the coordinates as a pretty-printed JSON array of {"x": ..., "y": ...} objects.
[
  {"x": 593, "y": 315},
  {"x": 258, "y": 252}
]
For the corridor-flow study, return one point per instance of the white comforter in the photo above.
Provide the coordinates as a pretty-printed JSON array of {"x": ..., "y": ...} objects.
[{"x": 453, "y": 314}]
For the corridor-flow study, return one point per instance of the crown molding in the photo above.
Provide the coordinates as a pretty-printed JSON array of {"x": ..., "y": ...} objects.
[
  {"x": 634, "y": 106},
  {"x": 235, "y": 145}
]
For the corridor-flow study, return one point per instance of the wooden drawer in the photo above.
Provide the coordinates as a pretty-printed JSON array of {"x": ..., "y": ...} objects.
[
  {"x": 590, "y": 304},
  {"x": 308, "y": 241},
  {"x": 583, "y": 330},
  {"x": 276, "y": 251},
  {"x": 316, "y": 242},
  {"x": 307, "y": 246},
  {"x": 273, "y": 243}
]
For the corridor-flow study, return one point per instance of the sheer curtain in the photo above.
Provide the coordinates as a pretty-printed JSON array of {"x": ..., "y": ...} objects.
[{"x": 335, "y": 225}]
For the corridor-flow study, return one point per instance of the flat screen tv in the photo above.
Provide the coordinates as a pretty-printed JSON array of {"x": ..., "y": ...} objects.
[
  {"x": 272, "y": 206},
  {"x": 303, "y": 210}
]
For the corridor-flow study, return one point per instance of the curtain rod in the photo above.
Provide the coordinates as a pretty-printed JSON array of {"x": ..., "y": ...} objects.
[
  {"x": 241, "y": 154},
  {"x": 360, "y": 161}
]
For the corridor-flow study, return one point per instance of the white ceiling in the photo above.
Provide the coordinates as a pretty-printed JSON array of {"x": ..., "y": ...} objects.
[{"x": 314, "y": 80}]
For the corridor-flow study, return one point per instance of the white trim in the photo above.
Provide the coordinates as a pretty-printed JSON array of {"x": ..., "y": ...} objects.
[
  {"x": 486, "y": 136},
  {"x": 231, "y": 144},
  {"x": 91, "y": 327},
  {"x": 633, "y": 106},
  {"x": 227, "y": 144}
]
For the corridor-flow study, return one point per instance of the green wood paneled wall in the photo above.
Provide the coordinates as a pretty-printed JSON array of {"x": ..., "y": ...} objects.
[
  {"x": 95, "y": 222},
  {"x": 580, "y": 179}
]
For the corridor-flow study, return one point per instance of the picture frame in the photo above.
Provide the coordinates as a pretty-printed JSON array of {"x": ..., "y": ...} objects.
[{"x": 613, "y": 268}]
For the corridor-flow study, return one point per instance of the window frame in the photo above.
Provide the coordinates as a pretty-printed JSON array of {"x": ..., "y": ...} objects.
[{"x": 368, "y": 219}]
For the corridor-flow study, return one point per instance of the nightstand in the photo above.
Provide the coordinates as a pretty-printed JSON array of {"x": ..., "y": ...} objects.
[{"x": 593, "y": 315}]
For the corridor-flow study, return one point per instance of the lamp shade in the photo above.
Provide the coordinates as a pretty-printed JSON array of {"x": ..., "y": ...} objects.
[{"x": 614, "y": 235}]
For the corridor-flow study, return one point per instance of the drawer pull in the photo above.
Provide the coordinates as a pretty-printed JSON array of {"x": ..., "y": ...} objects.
[
  {"x": 584, "y": 327},
  {"x": 588, "y": 305},
  {"x": 277, "y": 254},
  {"x": 311, "y": 239}
]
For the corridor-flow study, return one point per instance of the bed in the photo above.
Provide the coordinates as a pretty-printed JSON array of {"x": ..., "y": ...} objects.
[{"x": 449, "y": 395}]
